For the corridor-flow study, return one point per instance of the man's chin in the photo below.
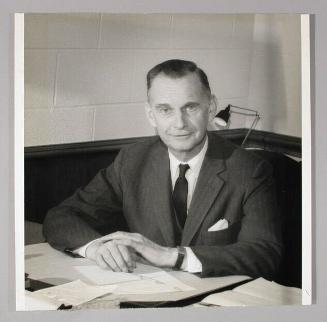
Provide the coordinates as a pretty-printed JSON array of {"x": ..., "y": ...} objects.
[{"x": 182, "y": 146}]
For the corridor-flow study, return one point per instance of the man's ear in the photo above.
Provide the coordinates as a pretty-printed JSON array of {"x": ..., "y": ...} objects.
[
  {"x": 213, "y": 107},
  {"x": 149, "y": 114}
]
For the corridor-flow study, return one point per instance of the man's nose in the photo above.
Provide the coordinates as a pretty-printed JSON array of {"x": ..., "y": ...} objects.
[{"x": 179, "y": 120}]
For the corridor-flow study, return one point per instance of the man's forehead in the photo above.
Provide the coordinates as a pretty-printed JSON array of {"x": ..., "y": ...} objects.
[{"x": 189, "y": 85}]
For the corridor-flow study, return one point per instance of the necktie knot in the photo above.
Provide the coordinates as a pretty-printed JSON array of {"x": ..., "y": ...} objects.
[{"x": 182, "y": 170}]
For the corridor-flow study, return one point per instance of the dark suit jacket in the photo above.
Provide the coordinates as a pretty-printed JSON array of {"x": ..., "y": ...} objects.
[{"x": 233, "y": 184}]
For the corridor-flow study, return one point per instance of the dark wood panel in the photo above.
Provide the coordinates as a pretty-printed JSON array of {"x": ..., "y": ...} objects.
[
  {"x": 258, "y": 139},
  {"x": 49, "y": 180}
]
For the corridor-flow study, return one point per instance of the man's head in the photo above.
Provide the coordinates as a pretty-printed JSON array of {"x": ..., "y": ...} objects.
[{"x": 180, "y": 106}]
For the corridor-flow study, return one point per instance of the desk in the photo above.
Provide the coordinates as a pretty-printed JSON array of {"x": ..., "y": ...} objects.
[{"x": 48, "y": 265}]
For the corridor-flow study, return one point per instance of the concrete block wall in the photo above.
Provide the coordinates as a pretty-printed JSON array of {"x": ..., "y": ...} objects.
[
  {"x": 275, "y": 78},
  {"x": 85, "y": 73}
]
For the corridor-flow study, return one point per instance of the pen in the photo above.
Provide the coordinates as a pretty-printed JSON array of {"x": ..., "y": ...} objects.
[{"x": 64, "y": 307}]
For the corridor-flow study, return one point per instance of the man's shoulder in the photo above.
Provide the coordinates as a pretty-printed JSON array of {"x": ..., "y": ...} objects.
[
  {"x": 137, "y": 157},
  {"x": 141, "y": 149},
  {"x": 236, "y": 156},
  {"x": 143, "y": 144}
]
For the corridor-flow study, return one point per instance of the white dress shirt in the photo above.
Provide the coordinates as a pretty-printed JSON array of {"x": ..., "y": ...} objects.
[{"x": 191, "y": 263}]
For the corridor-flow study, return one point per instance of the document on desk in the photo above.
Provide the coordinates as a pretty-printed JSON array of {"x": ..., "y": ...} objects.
[
  {"x": 39, "y": 302},
  {"x": 153, "y": 283},
  {"x": 74, "y": 293},
  {"x": 257, "y": 292},
  {"x": 97, "y": 275},
  {"x": 144, "y": 280},
  {"x": 165, "y": 278}
]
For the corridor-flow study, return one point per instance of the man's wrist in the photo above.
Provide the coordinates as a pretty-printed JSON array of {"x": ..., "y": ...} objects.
[
  {"x": 190, "y": 262},
  {"x": 172, "y": 254},
  {"x": 175, "y": 257}
]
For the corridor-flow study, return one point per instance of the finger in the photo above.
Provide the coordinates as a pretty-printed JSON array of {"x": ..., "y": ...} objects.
[
  {"x": 101, "y": 261},
  {"x": 139, "y": 247},
  {"x": 125, "y": 235},
  {"x": 147, "y": 253},
  {"x": 111, "y": 261},
  {"x": 126, "y": 253},
  {"x": 117, "y": 256},
  {"x": 105, "y": 259},
  {"x": 121, "y": 234}
]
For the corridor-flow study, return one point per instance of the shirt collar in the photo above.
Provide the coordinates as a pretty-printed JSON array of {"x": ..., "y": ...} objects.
[{"x": 195, "y": 163}]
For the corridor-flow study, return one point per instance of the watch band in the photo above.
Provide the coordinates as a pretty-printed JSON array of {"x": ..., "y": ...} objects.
[{"x": 180, "y": 257}]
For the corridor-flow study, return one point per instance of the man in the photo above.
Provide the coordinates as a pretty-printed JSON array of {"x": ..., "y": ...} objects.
[{"x": 191, "y": 200}]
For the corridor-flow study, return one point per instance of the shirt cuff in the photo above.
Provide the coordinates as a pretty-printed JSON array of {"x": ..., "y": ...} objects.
[
  {"x": 191, "y": 263},
  {"x": 81, "y": 251}
]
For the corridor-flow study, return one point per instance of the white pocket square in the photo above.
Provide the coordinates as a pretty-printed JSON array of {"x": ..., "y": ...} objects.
[{"x": 219, "y": 225}]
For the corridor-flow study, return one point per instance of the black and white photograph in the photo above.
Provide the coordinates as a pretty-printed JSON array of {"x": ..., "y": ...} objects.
[{"x": 164, "y": 161}]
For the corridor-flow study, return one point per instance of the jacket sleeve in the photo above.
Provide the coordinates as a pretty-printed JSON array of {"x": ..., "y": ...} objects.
[
  {"x": 90, "y": 212},
  {"x": 258, "y": 248}
]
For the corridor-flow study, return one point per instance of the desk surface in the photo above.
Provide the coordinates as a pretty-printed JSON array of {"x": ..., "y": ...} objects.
[{"x": 46, "y": 264}]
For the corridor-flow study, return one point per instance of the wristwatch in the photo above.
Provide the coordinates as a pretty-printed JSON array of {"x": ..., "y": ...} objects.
[{"x": 180, "y": 257}]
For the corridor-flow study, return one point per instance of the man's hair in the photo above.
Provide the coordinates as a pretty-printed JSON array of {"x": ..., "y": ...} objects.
[{"x": 177, "y": 68}]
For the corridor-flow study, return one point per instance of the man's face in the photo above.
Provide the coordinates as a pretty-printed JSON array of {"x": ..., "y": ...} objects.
[{"x": 180, "y": 109}]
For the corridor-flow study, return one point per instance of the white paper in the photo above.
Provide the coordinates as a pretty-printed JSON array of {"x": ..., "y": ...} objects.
[
  {"x": 233, "y": 298},
  {"x": 75, "y": 293},
  {"x": 145, "y": 269},
  {"x": 153, "y": 283},
  {"x": 144, "y": 286},
  {"x": 257, "y": 292},
  {"x": 144, "y": 280},
  {"x": 38, "y": 302},
  {"x": 166, "y": 279},
  {"x": 272, "y": 291},
  {"x": 99, "y": 276}
]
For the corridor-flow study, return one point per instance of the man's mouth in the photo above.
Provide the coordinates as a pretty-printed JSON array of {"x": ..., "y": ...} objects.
[{"x": 180, "y": 135}]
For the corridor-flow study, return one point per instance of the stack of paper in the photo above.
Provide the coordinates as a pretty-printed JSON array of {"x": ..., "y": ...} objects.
[
  {"x": 74, "y": 293},
  {"x": 152, "y": 283},
  {"x": 257, "y": 292},
  {"x": 134, "y": 283},
  {"x": 101, "y": 282},
  {"x": 34, "y": 301},
  {"x": 98, "y": 276}
]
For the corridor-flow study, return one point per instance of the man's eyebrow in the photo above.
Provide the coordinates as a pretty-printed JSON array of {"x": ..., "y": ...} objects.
[
  {"x": 191, "y": 104},
  {"x": 160, "y": 105},
  {"x": 165, "y": 105}
]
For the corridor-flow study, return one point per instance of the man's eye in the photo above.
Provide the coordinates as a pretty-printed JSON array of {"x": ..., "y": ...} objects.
[
  {"x": 192, "y": 108},
  {"x": 164, "y": 110}
]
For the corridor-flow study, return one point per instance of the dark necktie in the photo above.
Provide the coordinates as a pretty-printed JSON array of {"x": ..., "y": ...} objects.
[{"x": 180, "y": 195}]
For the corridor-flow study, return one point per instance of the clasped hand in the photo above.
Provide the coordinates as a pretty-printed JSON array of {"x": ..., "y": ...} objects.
[{"x": 119, "y": 252}]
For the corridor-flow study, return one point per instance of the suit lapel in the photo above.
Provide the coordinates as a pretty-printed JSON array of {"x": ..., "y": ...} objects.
[
  {"x": 160, "y": 181},
  {"x": 207, "y": 189}
]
